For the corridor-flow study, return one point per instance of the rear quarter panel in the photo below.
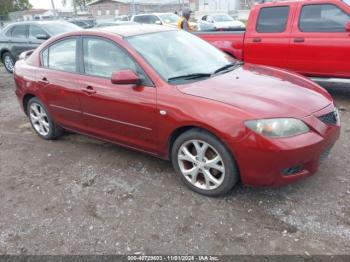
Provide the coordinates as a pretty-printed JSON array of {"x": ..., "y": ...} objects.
[{"x": 25, "y": 80}]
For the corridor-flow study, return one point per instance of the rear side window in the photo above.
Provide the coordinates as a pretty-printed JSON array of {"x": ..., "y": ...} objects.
[
  {"x": 322, "y": 18},
  {"x": 19, "y": 31},
  {"x": 140, "y": 19},
  {"x": 272, "y": 19},
  {"x": 146, "y": 19},
  {"x": 34, "y": 31},
  {"x": 61, "y": 56}
]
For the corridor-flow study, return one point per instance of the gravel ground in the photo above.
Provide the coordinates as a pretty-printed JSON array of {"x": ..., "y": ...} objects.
[{"x": 82, "y": 196}]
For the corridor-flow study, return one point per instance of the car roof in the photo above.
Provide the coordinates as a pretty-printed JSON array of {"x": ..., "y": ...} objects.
[
  {"x": 288, "y": 2},
  {"x": 133, "y": 30}
]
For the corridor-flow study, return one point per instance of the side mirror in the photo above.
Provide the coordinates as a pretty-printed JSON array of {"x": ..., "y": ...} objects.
[
  {"x": 42, "y": 37},
  {"x": 347, "y": 27},
  {"x": 158, "y": 22},
  {"x": 125, "y": 77}
]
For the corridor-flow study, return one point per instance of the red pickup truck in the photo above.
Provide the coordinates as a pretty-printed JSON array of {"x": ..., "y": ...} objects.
[{"x": 311, "y": 37}]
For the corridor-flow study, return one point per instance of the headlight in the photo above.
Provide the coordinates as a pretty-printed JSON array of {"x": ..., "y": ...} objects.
[{"x": 278, "y": 127}]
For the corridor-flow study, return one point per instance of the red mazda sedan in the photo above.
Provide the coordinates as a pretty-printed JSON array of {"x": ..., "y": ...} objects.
[{"x": 173, "y": 95}]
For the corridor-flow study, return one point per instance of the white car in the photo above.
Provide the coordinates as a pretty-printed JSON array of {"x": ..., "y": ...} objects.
[
  {"x": 219, "y": 22},
  {"x": 169, "y": 19}
]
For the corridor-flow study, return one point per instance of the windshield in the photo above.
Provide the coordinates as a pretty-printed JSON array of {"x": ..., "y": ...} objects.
[
  {"x": 60, "y": 28},
  {"x": 169, "y": 18},
  {"x": 222, "y": 18},
  {"x": 177, "y": 53}
]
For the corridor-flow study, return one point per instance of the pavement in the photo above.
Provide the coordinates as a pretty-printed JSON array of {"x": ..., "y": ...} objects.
[{"x": 81, "y": 196}]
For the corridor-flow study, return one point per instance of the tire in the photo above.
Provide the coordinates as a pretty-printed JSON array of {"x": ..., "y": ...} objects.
[
  {"x": 206, "y": 167},
  {"x": 9, "y": 61},
  {"x": 41, "y": 121}
]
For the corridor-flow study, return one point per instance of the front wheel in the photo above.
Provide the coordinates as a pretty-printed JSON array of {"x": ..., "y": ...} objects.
[
  {"x": 204, "y": 163},
  {"x": 41, "y": 120}
]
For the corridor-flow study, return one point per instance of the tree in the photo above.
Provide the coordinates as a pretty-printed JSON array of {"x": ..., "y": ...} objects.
[
  {"x": 80, "y": 4},
  {"x": 22, "y": 5},
  {"x": 8, "y": 6}
]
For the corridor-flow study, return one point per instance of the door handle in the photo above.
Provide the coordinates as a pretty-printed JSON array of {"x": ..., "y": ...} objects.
[
  {"x": 257, "y": 40},
  {"x": 44, "y": 81},
  {"x": 89, "y": 90},
  {"x": 299, "y": 40}
]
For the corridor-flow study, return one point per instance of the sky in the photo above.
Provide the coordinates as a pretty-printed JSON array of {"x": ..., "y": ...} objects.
[{"x": 46, "y": 4}]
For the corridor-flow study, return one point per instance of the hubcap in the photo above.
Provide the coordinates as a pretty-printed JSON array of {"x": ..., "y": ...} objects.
[
  {"x": 201, "y": 164},
  {"x": 8, "y": 63},
  {"x": 39, "y": 119}
]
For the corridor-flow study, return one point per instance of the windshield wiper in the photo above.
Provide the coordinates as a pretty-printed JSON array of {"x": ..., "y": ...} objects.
[
  {"x": 230, "y": 66},
  {"x": 189, "y": 76}
]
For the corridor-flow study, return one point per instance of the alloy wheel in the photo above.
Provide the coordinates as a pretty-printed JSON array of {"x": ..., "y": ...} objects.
[
  {"x": 39, "y": 119},
  {"x": 8, "y": 62},
  {"x": 201, "y": 164}
]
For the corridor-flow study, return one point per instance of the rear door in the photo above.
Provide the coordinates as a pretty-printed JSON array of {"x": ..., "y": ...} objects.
[
  {"x": 319, "y": 44},
  {"x": 59, "y": 82},
  {"x": 124, "y": 114},
  {"x": 267, "y": 40},
  {"x": 19, "y": 40}
]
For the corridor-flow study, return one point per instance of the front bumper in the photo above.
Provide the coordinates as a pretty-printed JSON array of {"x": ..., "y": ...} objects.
[{"x": 273, "y": 162}]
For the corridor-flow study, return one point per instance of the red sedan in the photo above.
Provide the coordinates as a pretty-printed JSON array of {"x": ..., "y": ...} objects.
[{"x": 173, "y": 95}]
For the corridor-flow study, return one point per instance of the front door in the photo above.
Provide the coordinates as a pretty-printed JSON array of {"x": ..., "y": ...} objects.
[
  {"x": 124, "y": 114},
  {"x": 267, "y": 42},
  {"x": 33, "y": 32},
  {"x": 319, "y": 44},
  {"x": 19, "y": 40}
]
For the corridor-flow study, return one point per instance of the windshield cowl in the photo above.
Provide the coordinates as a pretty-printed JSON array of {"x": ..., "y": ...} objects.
[{"x": 182, "y": 79}]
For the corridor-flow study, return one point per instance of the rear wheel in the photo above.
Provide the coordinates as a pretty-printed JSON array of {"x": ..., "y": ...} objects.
[
  {"x": 41, "y": 120},
  {"x": 9, "y": 62},
  {"x": 204, "y": 163}
]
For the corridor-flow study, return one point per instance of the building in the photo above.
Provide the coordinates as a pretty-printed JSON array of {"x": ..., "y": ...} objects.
[
  {"x": 36, "y": 14},
  {"x": 111, "y": 8},
  {"x": 223, "y": 5},
  {"x": 40, "y": 14}
]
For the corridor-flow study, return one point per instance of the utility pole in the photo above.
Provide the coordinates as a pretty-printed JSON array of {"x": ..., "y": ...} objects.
[
  {"x": 133, "y": 7},
  {"x": 53, "y": 9},
  {"x": 75, "y": 8}
]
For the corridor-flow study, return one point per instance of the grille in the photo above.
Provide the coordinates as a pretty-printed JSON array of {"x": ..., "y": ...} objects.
[{"x": 330, "y": 118}]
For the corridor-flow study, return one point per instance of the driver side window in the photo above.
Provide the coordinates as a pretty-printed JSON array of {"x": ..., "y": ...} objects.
[{"x": 102, "y": 58}]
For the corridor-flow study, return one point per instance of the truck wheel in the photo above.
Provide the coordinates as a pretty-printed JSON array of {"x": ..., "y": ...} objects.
[
  {"x": 9, "y": 62},
  {"x": 204, "y": 163}
]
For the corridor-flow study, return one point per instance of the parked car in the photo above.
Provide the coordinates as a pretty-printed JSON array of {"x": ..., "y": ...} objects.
[
  {"x": 216, "y": 119},
  {"x": 115, "y": 23},
  {"x": 217, "y": 22},
  {"x": 19, "y": 37},
  {"x": 168, "y": 19},
  {"x": 158, "y": 19},
  {"x": 122, "y": 18},
  {"x": 311, "y": 37},
  {"x": 81, "y": 23}
]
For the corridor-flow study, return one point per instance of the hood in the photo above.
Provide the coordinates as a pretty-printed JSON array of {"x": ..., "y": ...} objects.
[{"x": 262, "y": 92}]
